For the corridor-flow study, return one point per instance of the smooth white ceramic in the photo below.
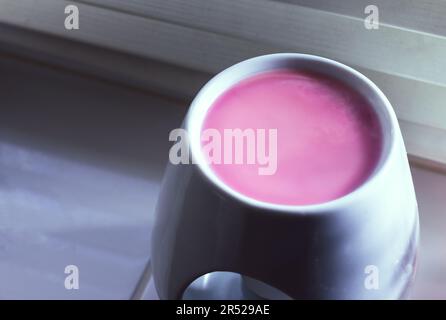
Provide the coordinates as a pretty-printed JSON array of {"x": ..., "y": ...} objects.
[{"x": 321, "y": 251}]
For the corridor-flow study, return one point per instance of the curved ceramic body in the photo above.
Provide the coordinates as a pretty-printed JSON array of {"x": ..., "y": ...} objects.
[{"x": 324, "y": 251}]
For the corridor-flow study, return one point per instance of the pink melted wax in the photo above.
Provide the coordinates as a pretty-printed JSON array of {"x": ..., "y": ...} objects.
[{"x": 328, "y": 138}]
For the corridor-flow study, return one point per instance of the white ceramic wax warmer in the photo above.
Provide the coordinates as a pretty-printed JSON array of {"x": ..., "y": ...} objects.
[{"x": 323, "y": 251}]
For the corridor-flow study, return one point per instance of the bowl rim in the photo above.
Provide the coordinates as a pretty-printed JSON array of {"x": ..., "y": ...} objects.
[{"x": 193, "y": 127}]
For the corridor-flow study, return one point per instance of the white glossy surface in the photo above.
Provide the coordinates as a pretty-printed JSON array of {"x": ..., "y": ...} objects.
[
  {"x": 80, "y": 164},
  {"x": 430, "y": 281}
]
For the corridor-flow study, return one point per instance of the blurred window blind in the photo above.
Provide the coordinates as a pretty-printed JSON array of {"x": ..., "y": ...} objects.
[{"x": 406, "y": 56}]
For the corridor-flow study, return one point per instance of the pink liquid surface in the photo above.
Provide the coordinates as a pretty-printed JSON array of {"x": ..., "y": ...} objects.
[{"x": 328, "y": 138}]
